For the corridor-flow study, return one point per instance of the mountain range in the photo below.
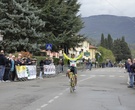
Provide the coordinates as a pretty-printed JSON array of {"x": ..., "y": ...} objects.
[{"x": 116, "y": 26}]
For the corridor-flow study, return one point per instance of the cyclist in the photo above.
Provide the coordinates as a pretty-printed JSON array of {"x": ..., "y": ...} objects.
[{"x": 72, "y": 66}]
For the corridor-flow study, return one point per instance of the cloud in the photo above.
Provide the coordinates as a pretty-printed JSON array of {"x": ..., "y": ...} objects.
[{"x": 113, "y": 7}]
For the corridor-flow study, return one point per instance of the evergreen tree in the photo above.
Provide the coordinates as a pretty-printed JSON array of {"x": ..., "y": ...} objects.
[
  {"x": 29, "y": 22},
  {"x": 126, "y": 53},
  {"x": 121, "y": 50},
  {"x": 117, "y": 50},
  {"x": 19, "y": 21},
  {"x": 102, "y": 40},
  {"x": 106, "y": 43},
  {"x": 62, "y": 23},
  {"x": 110, "y": 42}
]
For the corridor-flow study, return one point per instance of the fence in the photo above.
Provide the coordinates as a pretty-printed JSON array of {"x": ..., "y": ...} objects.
[{"x": 27, "y": 72}]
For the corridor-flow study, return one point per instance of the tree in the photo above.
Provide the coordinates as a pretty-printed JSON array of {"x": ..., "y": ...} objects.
[
  {"x": 106, "y": 43},
  {"x": 106, "y": 54},
  {"x": 110, "y": 42},
  {"x": 119, "y": 47},
  {"x": 117, "y": 50},
  {"x": 121, "y": 50},
  {"x": 62, "y": 23},
  {"x": 126, "y": 52},
  {"x": 19, "y": 21},
  {"x": 41, "y": 21},
  {"x": 102, "y": 40}
]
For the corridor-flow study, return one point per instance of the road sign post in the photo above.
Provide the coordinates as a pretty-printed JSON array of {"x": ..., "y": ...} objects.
[{"x": 48, "y": 46}]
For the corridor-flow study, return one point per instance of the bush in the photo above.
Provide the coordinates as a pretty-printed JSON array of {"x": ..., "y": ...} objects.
[
  {"x": 39, "y": 58},
  {"x": 56, "y": 61}
]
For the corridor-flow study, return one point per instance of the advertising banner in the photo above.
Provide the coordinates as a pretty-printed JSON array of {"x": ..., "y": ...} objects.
[
  {"x": 21, "y": 71},
  {"x": 49, "y": 69},
  {"x": 26, "y": 71},
  {"x": 31, "y": 71}
]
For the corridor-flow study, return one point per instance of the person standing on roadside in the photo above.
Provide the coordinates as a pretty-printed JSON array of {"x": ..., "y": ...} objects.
[
  {"x": 2, "y": 64},
  {"x": 28, "y": 60},
  {"x": 89, "y": 64},
  {"x": 47, "y": 61},
  {"x": 7, "y": 67},
  {"x": 133, "y": 70},
  {"x": 130, "y": 72},
  {"x": 12, "y": 73},
  {"x": 60, "y": 66},
  {"x": 41, "y": 64}
]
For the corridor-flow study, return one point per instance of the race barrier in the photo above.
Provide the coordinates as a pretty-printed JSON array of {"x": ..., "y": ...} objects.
[
  {"x": 49, "y": 69},
  {"x": 30, "y": 71},
  {"x": 26, "y": 71}
]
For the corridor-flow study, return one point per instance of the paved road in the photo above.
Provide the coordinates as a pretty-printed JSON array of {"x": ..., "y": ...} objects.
[{"x": 99, "y": 89}]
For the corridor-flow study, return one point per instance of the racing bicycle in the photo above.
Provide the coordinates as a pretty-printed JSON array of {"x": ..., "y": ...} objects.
[{"x": 72, "y": 81}]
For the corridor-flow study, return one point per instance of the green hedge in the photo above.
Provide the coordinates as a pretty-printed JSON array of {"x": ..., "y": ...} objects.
[{"x": 39, "y": 58}]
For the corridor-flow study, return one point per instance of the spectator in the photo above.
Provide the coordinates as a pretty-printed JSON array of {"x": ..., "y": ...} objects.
[
  {"x": 130, "y": 72},
  {"x": 12, "y": 72},
  {"x": 47, "y": 61},
  {"x": 28, "y": 60},
  {"x": 133, "y": 70},
  {"x": 20, "y": 61},
  {"x": 41, "y": 64},
  {"x": 60, "y": 65},
  {"x": 2, "y": 64},
  {"x": 89, "y": 64},
  {"x": 7, "y": 68},
  {"x": 103, "y": 65}
]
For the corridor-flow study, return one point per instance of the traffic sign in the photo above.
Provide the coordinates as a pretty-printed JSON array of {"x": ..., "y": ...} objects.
[{"x": 48, "y": 46}]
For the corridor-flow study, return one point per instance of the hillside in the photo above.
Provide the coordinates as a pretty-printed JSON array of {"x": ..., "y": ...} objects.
[{"x": 116, "y": 26}]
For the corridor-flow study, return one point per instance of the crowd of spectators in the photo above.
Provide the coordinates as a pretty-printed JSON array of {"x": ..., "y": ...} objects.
[{"x": 8, "y": 63}]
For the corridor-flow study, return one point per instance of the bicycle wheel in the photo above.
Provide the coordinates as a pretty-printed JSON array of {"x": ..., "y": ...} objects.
[
  {"x": 71, "y": 89},
  {"x": 72, "y": 85}
]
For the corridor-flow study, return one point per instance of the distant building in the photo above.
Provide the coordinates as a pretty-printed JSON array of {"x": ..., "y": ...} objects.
[
  {"x": 89, "y": 50},
  {"x": 93, "y": 51}
]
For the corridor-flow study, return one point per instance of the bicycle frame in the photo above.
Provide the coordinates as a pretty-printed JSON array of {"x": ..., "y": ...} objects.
[{"x": 72, "y": 81}]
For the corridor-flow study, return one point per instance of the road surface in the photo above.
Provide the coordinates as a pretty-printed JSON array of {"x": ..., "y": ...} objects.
[{"x": 98, "y": 89}]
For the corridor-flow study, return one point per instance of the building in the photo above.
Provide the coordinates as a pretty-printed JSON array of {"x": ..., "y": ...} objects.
[
  {"x": 89, "y": 51},
  {"x": 92, "y": 51}
]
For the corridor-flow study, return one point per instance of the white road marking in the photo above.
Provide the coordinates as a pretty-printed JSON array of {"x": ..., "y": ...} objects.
[
  {"x": 86, "y": 78},
  {"x": 44, "y": 105},
  {"x": 60, "y": 93},
  {"x": 50, "y": 101},
  {"x": 56, "y": 97}
]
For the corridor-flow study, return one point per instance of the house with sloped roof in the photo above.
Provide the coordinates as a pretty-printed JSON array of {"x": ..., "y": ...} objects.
[{"x": 88, "y": 49}]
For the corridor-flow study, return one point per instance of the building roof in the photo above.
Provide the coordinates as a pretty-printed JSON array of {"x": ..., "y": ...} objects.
[{"x": 92, "y": 47}]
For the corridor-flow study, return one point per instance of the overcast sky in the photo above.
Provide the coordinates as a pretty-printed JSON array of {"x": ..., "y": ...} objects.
[{"x": 111, "y": 7}]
